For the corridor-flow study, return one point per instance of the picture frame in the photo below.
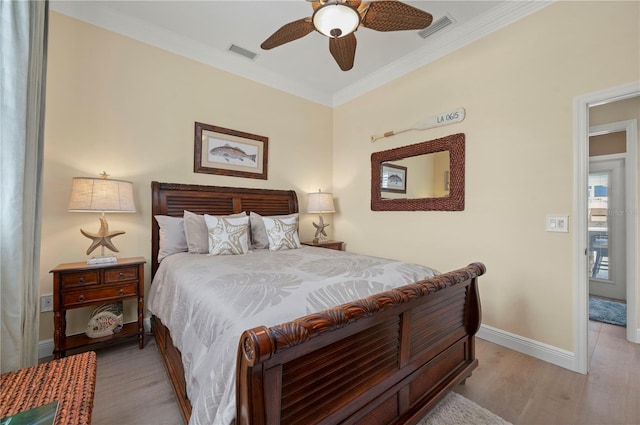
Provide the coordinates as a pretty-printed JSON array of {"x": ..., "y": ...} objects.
[
  {"x": 219, "y": 150},
  {"x": 393, "y": 178}
]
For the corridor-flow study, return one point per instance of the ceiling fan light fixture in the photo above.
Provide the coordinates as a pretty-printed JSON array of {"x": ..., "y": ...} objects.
[{"x": 335, "y": 19}]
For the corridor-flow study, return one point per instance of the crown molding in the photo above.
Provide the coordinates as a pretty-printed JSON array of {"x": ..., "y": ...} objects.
[
  {"x": 441, "y": 44},
  {"x": 437, "y": 45},
  {"x": 140, "y": 30}
]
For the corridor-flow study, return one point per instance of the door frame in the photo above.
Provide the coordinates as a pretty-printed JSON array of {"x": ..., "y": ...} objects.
[{"x": 581, "y": 107}]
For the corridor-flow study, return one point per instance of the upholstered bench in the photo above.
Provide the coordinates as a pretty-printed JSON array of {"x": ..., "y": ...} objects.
[{"x": 70, "y": 381}]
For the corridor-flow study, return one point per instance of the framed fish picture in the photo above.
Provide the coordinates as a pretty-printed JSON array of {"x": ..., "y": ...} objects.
[
  {"x": 394, "y": 178},
  {"x": 227, "y": 152}
]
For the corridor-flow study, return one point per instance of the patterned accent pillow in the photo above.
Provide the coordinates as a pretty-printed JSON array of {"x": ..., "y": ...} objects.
[
  {"x": 172, "y": 237},
  {"x": 259, "y": 238},
  {"x": 196, "y": 232},
  {"x": 228, "y": 235},
  {"x": 282, "y": 232}
]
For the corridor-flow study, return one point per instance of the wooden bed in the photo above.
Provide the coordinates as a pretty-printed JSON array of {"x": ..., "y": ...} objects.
[{"x": 385, "y": 359}]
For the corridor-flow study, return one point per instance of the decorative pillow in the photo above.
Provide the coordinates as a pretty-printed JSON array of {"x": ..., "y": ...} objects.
[
  {"x": 172, "y": 237},
  {"x": 228, "y": 235},
  {"x": 259, "y": 238},
  {"x": 195, "y": 229},
  {"x": 282, "y": 232}
]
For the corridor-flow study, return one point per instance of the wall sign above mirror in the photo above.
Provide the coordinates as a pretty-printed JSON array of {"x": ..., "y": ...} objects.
[
  {"x": 427, "y": 176},
  {"x": 451, "y": 117}
]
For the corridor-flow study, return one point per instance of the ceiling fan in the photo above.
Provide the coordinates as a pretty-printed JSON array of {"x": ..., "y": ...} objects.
[{"x": 339, "y": 19}]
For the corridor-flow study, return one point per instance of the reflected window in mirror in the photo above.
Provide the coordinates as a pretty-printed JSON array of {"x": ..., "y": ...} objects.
[{"x": 427, "y": 176}]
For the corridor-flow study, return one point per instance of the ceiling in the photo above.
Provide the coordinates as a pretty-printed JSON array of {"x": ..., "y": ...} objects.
[{"x": 204, "y": 31}]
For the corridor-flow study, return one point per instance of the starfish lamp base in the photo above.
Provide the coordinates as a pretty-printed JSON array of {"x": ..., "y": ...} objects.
[
  {"x": 321, "y": 235},
  {"x": 101, "y": 239}
]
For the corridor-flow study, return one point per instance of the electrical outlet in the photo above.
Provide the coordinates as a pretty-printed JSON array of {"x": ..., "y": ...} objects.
[{"x": 46, "y": 303}]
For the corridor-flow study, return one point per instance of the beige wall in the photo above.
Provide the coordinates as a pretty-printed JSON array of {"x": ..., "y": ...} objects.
[
  {"x": 517, "y": 86},
  {"x": 119, "y": 105},
  {"x": 608, "y": 144}
]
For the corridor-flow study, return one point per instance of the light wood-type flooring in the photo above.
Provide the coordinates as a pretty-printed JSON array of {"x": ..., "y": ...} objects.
[
  {"x": 133, "y": 388},
  {"x": 524, "y": 390}
]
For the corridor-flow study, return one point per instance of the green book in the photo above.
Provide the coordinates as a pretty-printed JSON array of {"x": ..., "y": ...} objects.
[{"x": 41, "y": 415}]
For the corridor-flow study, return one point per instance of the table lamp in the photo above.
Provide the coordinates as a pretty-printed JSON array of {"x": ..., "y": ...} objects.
[
  {"x": 92, "y": 194},
  {"x": 320, "y": 202}
]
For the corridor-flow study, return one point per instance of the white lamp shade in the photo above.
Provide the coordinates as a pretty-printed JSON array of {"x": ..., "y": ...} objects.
[
  {"x": 97, "y": 194},
  {"x": 320, "y": 202},
  {"x": 336, "y": 19}
]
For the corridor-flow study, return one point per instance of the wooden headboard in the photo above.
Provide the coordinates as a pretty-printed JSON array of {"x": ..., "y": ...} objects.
[{"x": 172, "y": 199}]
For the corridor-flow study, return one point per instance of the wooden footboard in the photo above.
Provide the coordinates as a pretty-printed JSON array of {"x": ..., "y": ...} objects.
[{"x": 386, "y": 359}]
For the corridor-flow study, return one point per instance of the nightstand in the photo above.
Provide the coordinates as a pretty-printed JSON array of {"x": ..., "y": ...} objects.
[
  {"x": 329, "y": 244},
  {"x": 78, "y": 285}
]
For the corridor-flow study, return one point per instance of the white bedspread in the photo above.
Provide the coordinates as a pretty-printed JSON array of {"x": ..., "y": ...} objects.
[{"x": 208, "y": 301}]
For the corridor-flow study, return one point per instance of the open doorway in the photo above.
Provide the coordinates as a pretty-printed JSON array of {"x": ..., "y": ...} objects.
[
  {"x": 584, "y": 251},
  {"x": 606, "y": 221}
]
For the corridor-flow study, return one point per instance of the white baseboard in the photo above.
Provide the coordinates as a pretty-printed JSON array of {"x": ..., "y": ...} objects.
[
  {"x": 45, "y": 348},
  {"x": 530, "y": 347}
]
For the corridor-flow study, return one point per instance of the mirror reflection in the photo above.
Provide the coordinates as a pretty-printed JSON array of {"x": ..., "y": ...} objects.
[
  {"x": 427, "y": 176},
  {"x": 421, "y": 176}
]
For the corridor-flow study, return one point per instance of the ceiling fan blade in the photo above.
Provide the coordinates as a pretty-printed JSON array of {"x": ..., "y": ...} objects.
[
  {"x": 343, "y": 50},
  {"x": 288, "y": 32},
  {"x": 390, "y": 15}
]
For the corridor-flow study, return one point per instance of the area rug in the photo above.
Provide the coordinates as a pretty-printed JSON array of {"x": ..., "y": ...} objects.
[
  {"x": 454, "y": 409},
  {"x": 607, "y": 311}
]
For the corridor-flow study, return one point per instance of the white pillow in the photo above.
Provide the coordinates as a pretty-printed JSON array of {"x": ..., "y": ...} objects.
[
  {"x": 196, "y": 232},
  {"x": 282, "y": 232},
  {"x": 172, "y": 237},
  {"x": 227, "y": 235}
]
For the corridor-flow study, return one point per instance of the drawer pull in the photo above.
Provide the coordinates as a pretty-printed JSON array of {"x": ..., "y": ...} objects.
[
  {"x": 121, "y": 292},
  {"x": 81, "y": 280},
  {"x": 121, "y": 275},
  {"x": 81, "y": 298}
]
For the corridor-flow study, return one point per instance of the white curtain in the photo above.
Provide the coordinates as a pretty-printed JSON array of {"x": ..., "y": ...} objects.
[{"x": 23, "y": 47}]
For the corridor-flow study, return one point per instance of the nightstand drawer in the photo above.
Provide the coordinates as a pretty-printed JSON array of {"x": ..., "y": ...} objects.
[
  {"x": 121, "y": 274},
  {"x": 80, "y": 298},
  {"x": 80, "y": 279}
]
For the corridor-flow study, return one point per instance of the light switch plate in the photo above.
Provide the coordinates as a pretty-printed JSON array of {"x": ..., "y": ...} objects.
[{"x": 557, "y": 223}]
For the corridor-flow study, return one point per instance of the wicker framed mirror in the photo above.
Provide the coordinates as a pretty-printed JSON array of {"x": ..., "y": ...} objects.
[{"x": 436, "y": 167}]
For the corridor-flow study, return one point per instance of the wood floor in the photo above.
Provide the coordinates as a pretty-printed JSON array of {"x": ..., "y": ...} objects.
[
  {"x": 524, "y": 390},
  {"x": 133, "y": 388}
]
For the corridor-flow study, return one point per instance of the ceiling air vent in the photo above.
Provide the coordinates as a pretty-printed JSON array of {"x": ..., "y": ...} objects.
[
  {"x": 243, "y": 52},
  {"x": 436, "y": 26}
]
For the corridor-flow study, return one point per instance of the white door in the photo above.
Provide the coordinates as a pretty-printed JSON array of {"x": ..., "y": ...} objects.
[{"x": 606, "y": 223}]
